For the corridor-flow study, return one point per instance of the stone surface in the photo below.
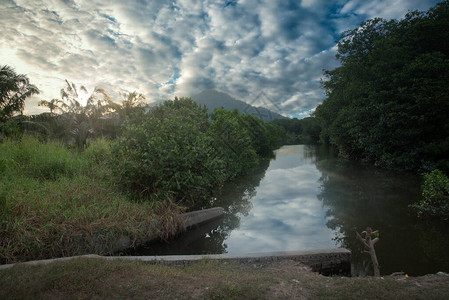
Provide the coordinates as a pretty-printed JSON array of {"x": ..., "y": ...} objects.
[
  {"x": 191, "y": 220},
  {"x": 199, "y": 217},
  {"x": 325, "y": 261}
]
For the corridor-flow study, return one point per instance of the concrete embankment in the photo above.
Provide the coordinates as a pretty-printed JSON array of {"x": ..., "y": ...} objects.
[
  {"x": 326, "y": 261},
  {"x": 191, "y": 220},
  {"x": 200, "y": 217}
]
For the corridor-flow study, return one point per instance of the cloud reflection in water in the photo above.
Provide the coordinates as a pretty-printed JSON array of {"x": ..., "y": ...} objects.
[{"x": 286, "y": 214}]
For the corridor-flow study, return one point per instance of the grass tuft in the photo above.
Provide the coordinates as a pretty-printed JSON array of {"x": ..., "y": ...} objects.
[{"x": 55, "y": 203}]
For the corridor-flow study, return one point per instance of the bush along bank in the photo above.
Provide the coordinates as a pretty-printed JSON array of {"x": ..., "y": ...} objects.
[
  {"x": 58, "y": 202},
  {"x": 179, "y": 150}
]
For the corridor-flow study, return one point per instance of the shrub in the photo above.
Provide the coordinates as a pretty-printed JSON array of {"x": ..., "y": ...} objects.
[
  {"x": 259, "y": 134},
  {"x": 232, "y": 143},
  {"x": 169, "y": 153},
  {"x": 98, "y": 150},
  {"x": 74, "y": 211},
  {"x": 435, "y": 192},
  {"x": 178, "y": 150}
]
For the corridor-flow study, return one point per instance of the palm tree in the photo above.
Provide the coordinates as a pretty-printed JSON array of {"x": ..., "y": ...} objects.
[
  {"x": 96, "y": 118},
  {"x": 131, "y": 103},
  {"x": 100, "y": 103},
  {"x": 71, "y": 95},
  {"x": 14, "y": 89},
  {"x": 54, "y": 105}
]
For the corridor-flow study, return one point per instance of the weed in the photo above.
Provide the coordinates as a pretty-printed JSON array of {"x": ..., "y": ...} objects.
[{"x": 54, "y": 202}]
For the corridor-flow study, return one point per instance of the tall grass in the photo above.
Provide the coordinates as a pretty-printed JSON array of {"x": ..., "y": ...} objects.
[
  {"x": 31, "y": 158},
  {"x": 55, "y": 202}
]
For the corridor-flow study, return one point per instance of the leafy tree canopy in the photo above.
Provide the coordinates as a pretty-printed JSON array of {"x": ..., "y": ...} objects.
[
  {"x": 435, "y": 192},
  {"x": 388, "y": 102}
]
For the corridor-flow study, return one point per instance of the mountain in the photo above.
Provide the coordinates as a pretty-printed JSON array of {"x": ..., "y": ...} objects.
[{"x": 214, "y": 99}]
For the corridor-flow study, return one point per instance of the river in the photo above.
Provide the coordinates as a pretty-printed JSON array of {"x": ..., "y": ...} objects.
[{"x": 306, "y": 198}]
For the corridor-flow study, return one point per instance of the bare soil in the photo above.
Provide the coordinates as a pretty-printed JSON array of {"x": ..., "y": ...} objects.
[{"x": 96, "y": 278}]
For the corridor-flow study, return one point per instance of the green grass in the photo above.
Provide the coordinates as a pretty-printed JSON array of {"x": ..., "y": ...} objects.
[
  {"x": 31, "y": 158},
  {"x": 87, "y": 278},
  {"x": 55, "y": 202}
]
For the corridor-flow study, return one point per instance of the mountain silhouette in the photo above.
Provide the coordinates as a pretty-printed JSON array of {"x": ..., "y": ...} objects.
[{"x": 214, "y": 99}]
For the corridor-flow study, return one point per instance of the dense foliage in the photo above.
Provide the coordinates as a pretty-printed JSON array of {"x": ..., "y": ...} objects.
[
  {"x": 56, "y": 202},
  {"x": 300, "y": 131},
  {"x": 435, "y": 192},
  {"x": 388, "y": 102},
  {"x": 77, "y": 165},
  {"x": 174, "y": 150},
  {"x": 169, "y": 152},
  {"x": 177, "y": 150}
]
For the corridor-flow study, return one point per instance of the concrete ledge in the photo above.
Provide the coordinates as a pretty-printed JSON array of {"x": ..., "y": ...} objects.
[
  {"x": 191, "y": 220},
  {"x": 326, "y": 261},
  {"x": 199, "y": 217}
]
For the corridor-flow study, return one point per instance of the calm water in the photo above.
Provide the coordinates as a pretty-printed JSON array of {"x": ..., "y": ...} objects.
[{"x": 307, "y": 199}]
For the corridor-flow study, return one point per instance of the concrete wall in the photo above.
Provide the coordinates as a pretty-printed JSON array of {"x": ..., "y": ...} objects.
[
  {"x": 96, "y": 244},
  {"x": 326, "y": 262},
  {"x": 200, "y": 217},
  {"x": 191, "y": 220}
]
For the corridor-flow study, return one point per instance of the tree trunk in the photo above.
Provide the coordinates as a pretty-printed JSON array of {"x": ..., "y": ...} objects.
[{"x": 369, "y": 244}]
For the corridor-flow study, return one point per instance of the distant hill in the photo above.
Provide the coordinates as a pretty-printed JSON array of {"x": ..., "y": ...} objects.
[{"x": 214, "y": 99}]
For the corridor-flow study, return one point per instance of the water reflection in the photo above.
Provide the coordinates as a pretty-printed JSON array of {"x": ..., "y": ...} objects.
[
  {"x": 358, "y": 196},
  {"x": 285, "y": 214},
  {"x": 307, "y": 199},
  {"x": 236, "y": 200}
]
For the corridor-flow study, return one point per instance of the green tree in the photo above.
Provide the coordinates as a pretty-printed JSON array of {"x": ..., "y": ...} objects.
[
  {"x": 299, "y": 131},
  {"x": 14, "y": 89},
  {"x": 435, "y": 192},
  {"x": 132, "y": 105},
  {"x": 259, "y": 133},
  {"x": 95, "y": 119},
  {"x": 99, "y": 104},
  {"x": 70, "y": 95},
  {"x": 169, "y": 153},
  {"x": 311, "y": 130},
  {"x": 232, "y": 142},
  {"x": 388, "y": 101}
]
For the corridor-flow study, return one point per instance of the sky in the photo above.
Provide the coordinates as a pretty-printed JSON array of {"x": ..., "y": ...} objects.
[{"x": 162, "y": 49}]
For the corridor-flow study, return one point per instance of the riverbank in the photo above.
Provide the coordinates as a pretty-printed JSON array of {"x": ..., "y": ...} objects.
[
  {"x": 55, "y": 202},
  {"x": 206, "y": 279},
  {"x": 101, "y": 195}
]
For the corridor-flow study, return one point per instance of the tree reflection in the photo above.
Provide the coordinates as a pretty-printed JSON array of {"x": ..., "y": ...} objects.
[
  {"x": 209, "y": 238},
  {"x": 236, "y": 201},
  {"x": 358, "y": 196}
]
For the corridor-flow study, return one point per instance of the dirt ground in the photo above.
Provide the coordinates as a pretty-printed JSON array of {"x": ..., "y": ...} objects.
[{"x": 96, "y": 278}]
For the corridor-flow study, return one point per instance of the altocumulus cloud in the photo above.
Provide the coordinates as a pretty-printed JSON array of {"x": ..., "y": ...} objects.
[{"x": 167, "y": 48}]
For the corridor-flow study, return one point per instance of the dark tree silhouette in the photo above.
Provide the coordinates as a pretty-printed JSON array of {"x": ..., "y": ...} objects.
[
  {"x": 53, "y": 105},
  {"x": 14, "y": 89}
]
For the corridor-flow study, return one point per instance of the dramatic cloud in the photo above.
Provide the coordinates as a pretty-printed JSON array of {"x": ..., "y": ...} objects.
[{"x": 167, "y": 48}]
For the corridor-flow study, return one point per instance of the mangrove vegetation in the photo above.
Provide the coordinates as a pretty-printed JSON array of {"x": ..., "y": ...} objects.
[{"x": 78, "y": 178}]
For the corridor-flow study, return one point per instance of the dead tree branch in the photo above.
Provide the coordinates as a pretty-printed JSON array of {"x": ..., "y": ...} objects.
[{"x": 369, "y": 245}]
